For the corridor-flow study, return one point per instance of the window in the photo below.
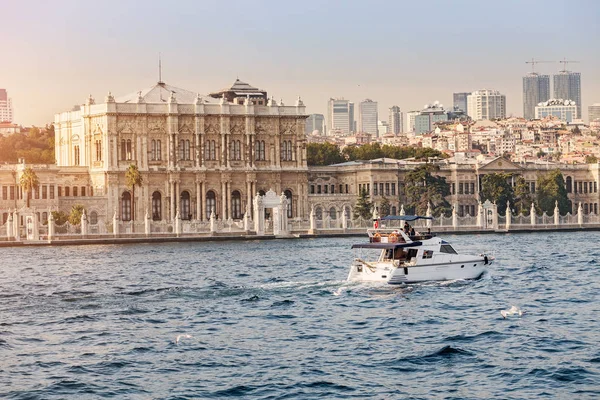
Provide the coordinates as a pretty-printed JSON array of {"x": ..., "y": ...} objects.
[
  {"x": 393, "y": 189},
  {"x": 346, "y": 188},
  {"x": 129, "y": 152},
  {"x": 585, "y": 208},
  {"x": 83, "y": 191},
  {"x": 312, "y": 189},
  {"x": 67, "y": 191},
  {"x": 125, "y": 206},
  {"x": 284, "y": 150},
  {"x": 387, "y": 189},
  {"x": 319, "y": 213},
  {"x": 472, "y": 213},
  {"x": 74, "y": 191},
  {"x": 185, "y": 206},
  {"x": 12, "y": 192},
  {"x": 153, "y": 150},
  {"x": 236, "y": 150},
  {"x": 60, "y": 191},
  {"x": 44, "y": 192},
  {"x": 381, "y": 189},
  {"x": 332, "y": 189},
  {"x": 98, "y": 148},
  {"x": 595, "y": 187},
  {"x": 574, "y": 186},
  {"x": 156, "y": 206},
  {"x": 318, "y": 189},
  {"x": 37, "y": 192},
  {"x": 288, "y": 195},
  {"x": 446, "y": 248},
  {"x": 210, "y": 150},
  {"x": 332, "y": 213},
  {"x": 211, "y": 203},
  {"x": 394, "y": 210},
  {"x": 93, "y": 218},
  {"x": 51, "y": 192},
  {"x": 472, "y": 188},
  {"x": 453, "y": 188},
  {"x": 4, "y": 192},
  {"x": 260, "y": 150},
  {"x": 375, "y": 189},
  {"x": 123, "y": 149},
  {"x": 460, "y": 188},
  {"x": 325, "y": 189},
  {"x": 427, "y": 253},
  {"x": 341, "y": 188},
  {"x": 236, "y": 205},
  {"x": 290, "y": 150},
  {"x": 585, "y": 187},
  {"x": 158, "y": 151},
  {"x": 76, "y": 155}
]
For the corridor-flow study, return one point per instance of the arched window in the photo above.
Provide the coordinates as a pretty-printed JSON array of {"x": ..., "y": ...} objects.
[
  {"x": 74, "y": 191},
  {"x": 260, "y": 150},
  {"x": 319, "y": 213},
  {"x": 123, "y": 149},
  {"x": 393, "y": 210},
  {"x": 98, "y": 145},
  {"x": 67, "y": 191},
  {"x": 585, "y": 208},
  {"x": 210, "y": 151},
  {"x": 236, "y": 205},
  {"x": 284, "y": 150},
  {"x": 187, "y": 150},
  {"x": 211, "y": 203},
  {"x": 158, "y": 151},
  {"x": 126, "y": 206},
  {"x": 93, "y": 218},
  {"x": 156, "y": 206},
  {"x": 153, "y": 153},
  {"x": 185, "y": 205},
  {"x": 569, "y": 184},
  {"x": 332, "y": 213},
  {"x": 290, "y": 209},
  {"x": 289, "y": 151},
  {"x": 180, "y": 149},
  {"x": 236, "y": 150}
]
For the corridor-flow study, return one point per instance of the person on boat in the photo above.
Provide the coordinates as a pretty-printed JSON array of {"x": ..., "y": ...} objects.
[
  {"x": 406, "y": 227},
  {"x": 412, "y": 231}
]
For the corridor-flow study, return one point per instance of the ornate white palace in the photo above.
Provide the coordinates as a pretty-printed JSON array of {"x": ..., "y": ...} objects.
[{"x": 196, "y": 154}]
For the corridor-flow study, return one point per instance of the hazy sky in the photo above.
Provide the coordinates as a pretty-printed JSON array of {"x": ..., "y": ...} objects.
[{"x": 408, "y": 53}]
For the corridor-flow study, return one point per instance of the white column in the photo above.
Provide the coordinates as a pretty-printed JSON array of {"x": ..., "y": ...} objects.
[
  {"x": 532, "y": 215},
  {"x": 223, "y": 200},
  {"x": 556, "y": 214},
  {"x": 198, "y": 202},
  {"x": 508, "y": 215}
]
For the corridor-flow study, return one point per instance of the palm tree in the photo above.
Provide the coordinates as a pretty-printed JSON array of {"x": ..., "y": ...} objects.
[
  {"x": 133, "y": 178},
  {"x": 28, "y": 182}
]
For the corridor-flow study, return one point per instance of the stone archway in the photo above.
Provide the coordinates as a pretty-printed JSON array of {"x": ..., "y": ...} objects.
[{"x": 279, "y": 205}]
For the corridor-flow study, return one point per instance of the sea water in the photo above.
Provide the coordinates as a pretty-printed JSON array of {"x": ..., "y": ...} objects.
[{"x": 276, "y": 320}]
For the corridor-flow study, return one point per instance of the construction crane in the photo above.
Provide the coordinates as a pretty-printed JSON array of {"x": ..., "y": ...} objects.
[
  {"x": 533, "y": 62},
  {"x": 564, "y": 62}
]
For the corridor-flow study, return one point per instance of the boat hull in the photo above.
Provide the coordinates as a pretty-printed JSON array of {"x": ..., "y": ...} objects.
[{"x": 389, "y": 273}]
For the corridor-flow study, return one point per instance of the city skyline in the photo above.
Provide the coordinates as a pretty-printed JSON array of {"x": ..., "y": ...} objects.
[{"x": 62, "y": 58}]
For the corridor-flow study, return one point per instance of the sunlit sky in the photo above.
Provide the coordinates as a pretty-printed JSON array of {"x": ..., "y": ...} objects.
[{"x": 406, "y": 53}]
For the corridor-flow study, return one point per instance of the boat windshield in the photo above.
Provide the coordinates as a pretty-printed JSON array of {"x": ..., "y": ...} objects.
[{"x": 446, "y": 248}]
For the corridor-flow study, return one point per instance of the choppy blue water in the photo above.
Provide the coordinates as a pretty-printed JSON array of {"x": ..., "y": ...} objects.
[{"x": 276, "y": 320}]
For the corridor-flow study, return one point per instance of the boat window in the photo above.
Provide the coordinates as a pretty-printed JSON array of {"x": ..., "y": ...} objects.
[
  {"x": 427, "y": 253},
  {"x": 446, "y": 248}
]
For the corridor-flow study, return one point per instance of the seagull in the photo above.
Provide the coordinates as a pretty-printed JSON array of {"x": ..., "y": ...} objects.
[
  {"x": 182, "y": 336},
  {"x": 512, "y": 311}
]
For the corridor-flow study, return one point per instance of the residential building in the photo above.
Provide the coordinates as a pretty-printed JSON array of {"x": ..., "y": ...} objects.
[
  {"x": 593, "y": 112},
  {"x": 460, "y": 101},
  {"x": 6, "y": 108},
  {"x": 486, "y": 104},
  {"x": 536, "y": 89},
  {"x": 565, "y": 110},
  {"x": 368, "y": 117},
  {"x": 430, "y": 114},
  {"x": 567, "y": 86},
  {"x": 340, "y": 116},
  {"x": 395, "y": 120},
  {"x": 410, "y": 121},
  {"x": 315, "y": 122}
]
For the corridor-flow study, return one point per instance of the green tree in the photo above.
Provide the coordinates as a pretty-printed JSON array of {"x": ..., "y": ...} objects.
[
  {"x": 540, "y": 154},
  {"x": 422, "y": 187},
  {"x": 75, "y": 215},
  {"x": 523, "y": 196},
  {"x": 591, "y": 159},
  {"x": 385, "y": 207},
  {"x": 133, "y": 178},
  {"x": 495, "y": 188},
  {"x": 36, "y": 146},
  {"x": 28, "y": 182},
  {"x": 318, "y": 154},
  {"x": 550, "y": 189},
  {"x": 60, "y": 217},
  {"x": 363, "y": 208}
]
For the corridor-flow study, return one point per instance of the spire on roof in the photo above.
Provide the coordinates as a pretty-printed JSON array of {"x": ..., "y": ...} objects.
[{"x": 160, "y": 82}]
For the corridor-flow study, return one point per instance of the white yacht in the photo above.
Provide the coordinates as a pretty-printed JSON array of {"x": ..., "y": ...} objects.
[{"x": 405, "y": 258}]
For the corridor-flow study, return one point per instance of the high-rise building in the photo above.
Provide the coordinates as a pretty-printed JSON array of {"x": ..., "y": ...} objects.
[
  {"x": 6, "y": 110},
  {"x": 536, "y": 89},
  {"x": 486, "y": 104},
  {"x": 368, "y": 117},
  {"x": 594, "y": 112},
  {"x": 340, "y": 116},
  {"x": 567, "y": 86},
  {"x": 565, "y": 110},
  {"x": 410, "y": 120},
  {"x": 315, "y": 122},
  {"x": 395, "y": 120},
  {"x": 430, "y": 114},
  {"x": 460, "y": 101},
  {"x": 383, "y": 128}
]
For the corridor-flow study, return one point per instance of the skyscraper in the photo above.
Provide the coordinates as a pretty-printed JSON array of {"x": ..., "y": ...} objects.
[
  {"x": 486, "y": 104},
  {"x": 368, "y": 117},
  {"x": 395, "y": 120},
  {"x": 340, "y": 116},
  {"x": 567, "y": 86},
  {"x": 460, "y": 101},
  {"x": 6, "y": 110},
  {"x": 536, "y": 89},
  {"x": 315, "y": 122}
]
